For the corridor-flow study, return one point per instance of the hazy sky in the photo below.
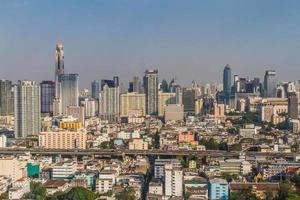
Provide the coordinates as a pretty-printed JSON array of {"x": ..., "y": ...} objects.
[{"x": 186, "y": 39}]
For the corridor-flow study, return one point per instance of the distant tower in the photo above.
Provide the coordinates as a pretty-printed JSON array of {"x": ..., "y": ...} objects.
[
  {"x": 151, "y": 91},
  {"x": 227, "y": 83},
  {"x": 270, "y": 84},
  {"x": 95, "y": 90},
  {"x": 293, "y": 106},
  {"x": 59, "y": 60},
  {"x": 136, "y": 84},
  {"x": 59, "y": 68}
]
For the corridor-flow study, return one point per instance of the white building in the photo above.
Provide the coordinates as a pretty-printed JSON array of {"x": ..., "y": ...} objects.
[
  {"x": 20, "y": 187},
  {"x": 159, "y": 166},
  {"x": 156, "y": 188},
  {"x": 27, "y": 109},
  {"x": 64, "y": 170},
  {"x": 173, "y": 181},
  {"x": 89, "y": 107},
  {"x": 3, "y": 141},
  {"x": 106, "y": 181}
]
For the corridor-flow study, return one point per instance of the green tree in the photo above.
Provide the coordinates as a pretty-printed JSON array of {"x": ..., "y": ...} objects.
[
  {"x": 37, "y": 191},
  {"x": 210, "y": 144},
  {"x": 235, "y": 147},
  {"x": 229, "y": 177},
  {"x": 287, "y": 192},
  {"x": 4, "y": 196},
  {"x": 127, "y": 193},
  {"x": 223, "y": 146},
  {"x": 243, "y": 194},
  {"x": 77, "y": 193},
  {"x": 269, "y": 194}
]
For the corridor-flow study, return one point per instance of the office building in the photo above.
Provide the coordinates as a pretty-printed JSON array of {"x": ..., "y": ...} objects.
[
  {"x": 63, "y": 139},
  {"x": 27, "y": 109},
  {"x": 136, "y": 85},
  {"x": 165, "y": 99},
  {"x": 173, "y": 181},
  {"x": 6, "y": 98},
  {"x": 109, "y": 103},
  {"x": 188, "y": 100},
  {"x": 90, "y": 107},
  {"x": 132, "y": 101},
  {"x": 227, "y": 83},
  {"x": 293, "y": 106},
  {"x": 174, "y": 112},
  {"x": 95, "y": 90},
  {"x": 69, "y": 87},
  {"x": 270, "y": 84},
  {"x": 47, "y": 96},
  {"x": 151, "y": 91},
  {"x": 76, "y": 112}
]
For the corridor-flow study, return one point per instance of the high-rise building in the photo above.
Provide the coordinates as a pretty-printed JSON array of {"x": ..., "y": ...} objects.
[
  {"x": 69, "y": 87},
  {"x": 47, "y": 96},
  {"x": 132, "y": 101},
  {"x": 59, "y": 67},
  {"x": 227, "y": 83},
  {"x": 136, "y": 84},
  {"x": 164, "y": 87},
  {"x": 293, "y": 106},
  {"x": 151, "y": 91},
  {"x": 95, "y": 90},
  {"x": 188, "y": 99},
  {"x": 173, "y": 181},
  {"x": 165, "y": 99},
  {"x": 27, "y": 109},
  {"x": 109, "y": 103},
  {"x": 116, "y": 81},
  {"x": 6, "y": 98},
  {"x": 270, "y": 84}
]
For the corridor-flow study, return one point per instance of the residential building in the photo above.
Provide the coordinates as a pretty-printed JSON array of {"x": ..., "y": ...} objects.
[
  {"x": 6, "y": 98},
  {"x": 218, "y": 189},
  {"x": 27, "y": 109},
  {"x": 63, "y": 139},
  {"x": 174, "y": 112},
  {"x": 138, "y": 144},
  {"x": 151, "y": 91},
  {"x": 12, "y": 167},
  {"x": 132, "y": 101},
  {"x": 165, "y": 99},
  {"x": 64, "y": 170},
  {"x": 109, "y": 102},
  {"x": 173, "y": 181}
]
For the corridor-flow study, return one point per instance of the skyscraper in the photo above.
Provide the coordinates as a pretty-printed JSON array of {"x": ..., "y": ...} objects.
[
  {"x": 188, "y": 100},
  {"x": 59, "y": 67},
  {"x": 227, "y": 83},
  {"x": 95, "y": 90},
  {"x": 109, "y": 103},
  {"x": 136, "y": 84},
  {"x": 27, "y": 109},
  {"x": 151, "y": 91},
  {"x": 47, "y": 96},
  {"x": 69, "y": 87},
  {"x": 293, "y": 106},
  {"x": 6, "y": 98},
  {"x": 270, "y": 84}
]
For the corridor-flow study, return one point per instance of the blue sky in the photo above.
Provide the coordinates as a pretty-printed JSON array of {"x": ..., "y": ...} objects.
[{"x": 186, "y": 39}]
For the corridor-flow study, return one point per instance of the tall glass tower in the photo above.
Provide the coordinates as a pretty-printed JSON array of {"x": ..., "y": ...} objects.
[
  {"x": 6, "y": 98},
  {"x": 227, "y": 83},
  {"x": 151, "y": 91},
  {"x": 270, "y": 84}
]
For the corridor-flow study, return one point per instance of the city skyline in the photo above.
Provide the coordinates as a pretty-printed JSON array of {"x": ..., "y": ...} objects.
[{"x": 181, "y": 40}]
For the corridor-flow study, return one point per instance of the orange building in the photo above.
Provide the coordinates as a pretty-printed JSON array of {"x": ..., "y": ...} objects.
[{"x": 186, "y": 137}]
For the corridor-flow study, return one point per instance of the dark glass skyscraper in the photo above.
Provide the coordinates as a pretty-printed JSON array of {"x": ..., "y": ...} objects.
[
  {"x": 270, "y": 84},
  {"x": 227, "y": 83},
  {"x": 47, "y": 96},
  {"x": 6, "y": 98},
  {"x": 95, "y": 89},
  {"x": 151, "y": 91}
]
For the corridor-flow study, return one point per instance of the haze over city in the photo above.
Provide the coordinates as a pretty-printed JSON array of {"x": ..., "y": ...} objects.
[{"x": 189, "y": 40}]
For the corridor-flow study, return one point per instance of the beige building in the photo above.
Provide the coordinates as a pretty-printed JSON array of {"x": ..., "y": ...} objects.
[
  {"x": 174, "y": 112},
  {"x": 12, "y": 167},
  {"x": 163, "y": 100},
  {"x": 63, "y": 139},
  {"x": 76, "y": 112},
  {"x": 130, "y": 102},
  {"x": 138, "y": 144}
]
